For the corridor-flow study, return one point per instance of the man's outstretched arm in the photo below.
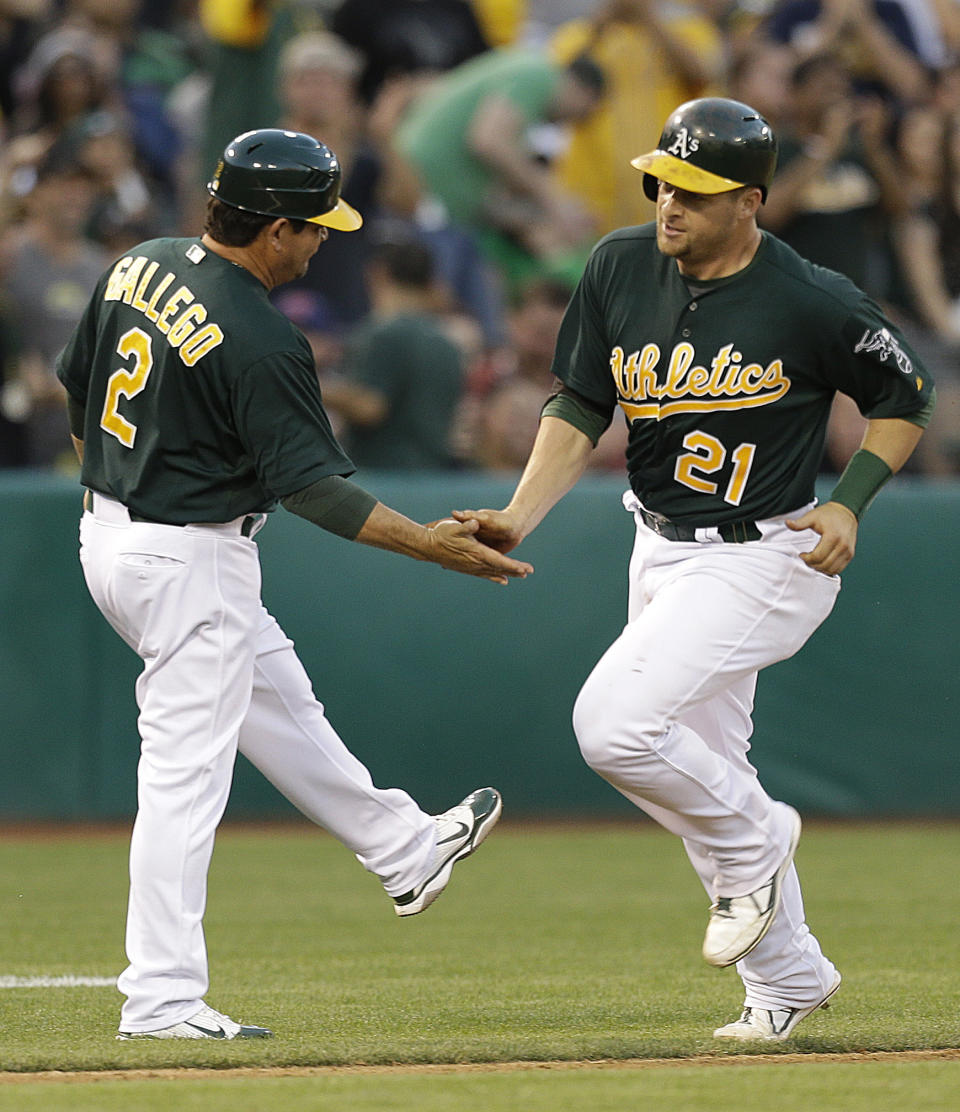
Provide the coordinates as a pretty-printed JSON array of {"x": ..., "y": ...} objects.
[
  {"x": 557, "y": 460},
  {"x": 342, "y": 507}
]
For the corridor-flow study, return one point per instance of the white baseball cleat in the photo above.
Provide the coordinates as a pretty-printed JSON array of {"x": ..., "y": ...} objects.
[
  {"x": 205, "y": 1024},
  {"x": 738, "y": 923},
  {"x": 459, "y": 831},
  {"x": 771, "y": 1024}
]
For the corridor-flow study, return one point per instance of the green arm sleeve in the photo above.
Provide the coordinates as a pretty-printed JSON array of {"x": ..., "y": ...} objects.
[
  {"x": 575, "y": 410},
  {"x": 866, "y": 473},
  {"x": 861, "y": 481},
  {"x": 923, "y": 417},
  {"x": 333, "y": 503}
]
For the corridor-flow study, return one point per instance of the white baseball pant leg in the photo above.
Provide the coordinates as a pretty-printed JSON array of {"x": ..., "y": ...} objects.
[
  {"x": 665, "y": 715},
  {"x": 787, "y": 968},
  {"x": 187, "y": 601},
  {"x": 288, "y": 738}
]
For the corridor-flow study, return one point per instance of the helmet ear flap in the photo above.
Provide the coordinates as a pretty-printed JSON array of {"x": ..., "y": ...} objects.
[{"x": 651, "y": 186}]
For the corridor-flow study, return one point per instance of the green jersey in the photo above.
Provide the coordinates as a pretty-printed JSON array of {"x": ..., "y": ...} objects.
[
  {"x": 201, "y": 399},
  {"x": 727, "y": 385},
  {"x": 419, "y": 371}
]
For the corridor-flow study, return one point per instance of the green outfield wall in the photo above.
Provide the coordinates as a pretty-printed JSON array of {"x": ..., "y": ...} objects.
[{"x": 442, "y": 683}]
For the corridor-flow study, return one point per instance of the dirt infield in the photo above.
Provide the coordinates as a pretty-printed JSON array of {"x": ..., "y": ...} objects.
[{"x": 94, "y": 1076}]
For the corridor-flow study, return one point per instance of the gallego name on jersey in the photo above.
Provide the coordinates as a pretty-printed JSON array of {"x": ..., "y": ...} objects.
[
  {"x": 727, "y": 383},
  {"x": 131, "y": 282}
]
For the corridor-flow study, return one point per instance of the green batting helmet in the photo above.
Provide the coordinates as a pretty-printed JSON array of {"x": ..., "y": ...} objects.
[
  {"x": 711, "y": 145},
  {"x": 283, "y": 173}
]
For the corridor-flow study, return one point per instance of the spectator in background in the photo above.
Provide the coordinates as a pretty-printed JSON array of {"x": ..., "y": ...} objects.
[
  {"x": 655, "y": 55},
  {"x": 317, "y": 85},
  {"x": 875, "y": 39},
  {"x": 58, "y": 88},
  {"x": 407, "y": 37},
  {"x": 929, "y": 237},
  {"x": 507, "y": 412},
  {"x": 837, "y": 180},
  {"x": 402, "y": 377},
  {"x": 18, "y": 22},
  {"x": 128, "y": 208},
  {"x": 467, "y": 138},
  {"x": 506, "y": 418},
  {"x": 759, "y": 75},
  {"x": 318, "y": 91},
  {"x": 836, "y": 186},
  {"x": 139, "y": 65},
  {"x": 928, "y": 248},
  {"x": 47, "y": 270}
]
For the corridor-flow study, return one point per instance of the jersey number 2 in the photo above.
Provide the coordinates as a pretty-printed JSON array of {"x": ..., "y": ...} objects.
[
  {"x": 706, "y": 455},
  {"x": 122, "y": 383}
]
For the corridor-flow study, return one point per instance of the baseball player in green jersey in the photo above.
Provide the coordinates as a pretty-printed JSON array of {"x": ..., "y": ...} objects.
[
  {"x": 724, "y": 349},
  {"x": 195, "y": 408}
]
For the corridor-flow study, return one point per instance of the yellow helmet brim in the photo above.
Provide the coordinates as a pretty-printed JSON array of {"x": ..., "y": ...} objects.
[
  {"x": 684, "y": 175},
  {"x": 342, "y": 217}
]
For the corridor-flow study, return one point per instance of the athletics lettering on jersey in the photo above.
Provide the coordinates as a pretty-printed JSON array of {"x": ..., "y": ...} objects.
[
  {"x": 180, "y": 317},
  {"x": 727, "y": 383}
]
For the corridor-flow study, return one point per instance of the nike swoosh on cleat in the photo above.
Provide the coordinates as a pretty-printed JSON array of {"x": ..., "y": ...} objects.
[
  {"x": 219, "y": 1033},
  {"x": 464, "y": 829}
]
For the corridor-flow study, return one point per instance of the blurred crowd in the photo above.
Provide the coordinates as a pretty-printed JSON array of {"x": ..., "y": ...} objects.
[{"x": 487, "y": 144}]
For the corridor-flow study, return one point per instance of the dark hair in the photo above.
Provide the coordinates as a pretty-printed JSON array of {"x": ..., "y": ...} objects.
[
  {"x": 407, "y": 264},
  {"x": 588, "y": 73},
  {"x": 235, "y": 227},
  {"x": 47, "y": 100}
]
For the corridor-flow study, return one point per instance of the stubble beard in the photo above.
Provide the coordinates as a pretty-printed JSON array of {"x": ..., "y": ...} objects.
[{"x": 672, "y": 248}]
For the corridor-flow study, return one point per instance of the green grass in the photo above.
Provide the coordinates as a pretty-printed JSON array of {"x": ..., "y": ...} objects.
[
  {"x": 552, "y": 943},
  {"x": 805, "y": 1087}
]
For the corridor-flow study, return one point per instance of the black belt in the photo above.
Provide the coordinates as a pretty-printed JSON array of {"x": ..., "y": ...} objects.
[
  {"x": 733, "y": 532},
  {"x": 246, "y": 526}
]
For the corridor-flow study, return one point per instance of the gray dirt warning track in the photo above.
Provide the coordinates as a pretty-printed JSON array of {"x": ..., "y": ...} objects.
[{"x": 192, "y": 1074}]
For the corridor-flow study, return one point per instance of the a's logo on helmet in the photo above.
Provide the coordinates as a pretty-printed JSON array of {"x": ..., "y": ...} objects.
[
  {"x": 216, "y": 174},
  {"x": 683, "y": 146}
]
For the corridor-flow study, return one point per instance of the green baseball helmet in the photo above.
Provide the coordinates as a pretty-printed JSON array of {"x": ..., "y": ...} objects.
[
  {"x": 283, "y": 173},
  {"x": 711, "y": 145}
]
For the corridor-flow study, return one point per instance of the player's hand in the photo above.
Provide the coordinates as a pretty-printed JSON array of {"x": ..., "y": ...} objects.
[
  {"x": 837, "y": 527},
  {"x": 496, "y": 528},
  {"x": 454, "y": 545}
]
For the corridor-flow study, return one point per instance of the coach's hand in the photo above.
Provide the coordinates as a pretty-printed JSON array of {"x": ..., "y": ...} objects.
[
  {"x": 454, "y": 545},
  {"x": 837, "y": 527}
]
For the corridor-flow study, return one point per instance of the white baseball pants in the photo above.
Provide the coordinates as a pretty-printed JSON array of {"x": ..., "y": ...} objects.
[
  {"x": 218, "y": 674},
  {"x": 665, "y": 717}
]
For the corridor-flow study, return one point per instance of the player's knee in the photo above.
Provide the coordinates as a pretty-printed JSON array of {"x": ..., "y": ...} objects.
[
  {"x": 594, "y": 731},
  {"x": 613, "y": 724}
]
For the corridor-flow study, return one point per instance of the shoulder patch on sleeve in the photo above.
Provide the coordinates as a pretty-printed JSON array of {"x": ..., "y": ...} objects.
[{"x": 882, "y": 343}]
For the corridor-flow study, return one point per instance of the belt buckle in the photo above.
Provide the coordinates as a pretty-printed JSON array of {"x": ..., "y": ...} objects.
[{"x": 656, "y": 522}]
